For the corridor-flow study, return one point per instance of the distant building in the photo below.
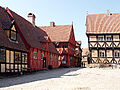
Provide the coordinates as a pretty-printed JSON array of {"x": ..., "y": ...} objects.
[
  {"x": 103, "y": 32},
  {"x": 85, "y": 57},
  {"x": 78, "y": 54},
  {"x": 64, "y": 39}
]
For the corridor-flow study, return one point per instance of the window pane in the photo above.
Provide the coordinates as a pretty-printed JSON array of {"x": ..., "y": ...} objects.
[
  {"x": 51, "y": 58},
  {"x": 109, "y": 38},
  {"x": 2, "y": 55},
  {"x": 7, "y": 56},
  {"x": 12, "y": 57},
  {"x": 42, "y": 56},
  {"x": 64, "y": 46},
  {"x": 24, "y": 58},
  {"x": 13, "y": 28},
  {"x": 13, "y": 35},
  {"x": 2, "y": 67},
  {"x": 17, "y": 57},
  {"x": 55, "y": 58},
  {"x": 8, "y": 66},
  {"x": 100, "y": 38},
  {"x": 117, "y": 54},
  {"x": 35, "y": 55},
  {"x": 102, "y": 54},
  {"x": 59, "y": 58},
  {"x": 64, "y": 62}
]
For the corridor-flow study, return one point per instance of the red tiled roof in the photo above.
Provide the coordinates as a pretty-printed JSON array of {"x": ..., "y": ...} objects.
[
  {"x": 103, "y": 23},
  {"x": 5, "y": 23},
  {"x": 58, "y": 33},
  {"x": 33, "y": 35}
]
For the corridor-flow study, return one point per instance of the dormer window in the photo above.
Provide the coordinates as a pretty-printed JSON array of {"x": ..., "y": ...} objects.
[{"x": 12, "y": 33}]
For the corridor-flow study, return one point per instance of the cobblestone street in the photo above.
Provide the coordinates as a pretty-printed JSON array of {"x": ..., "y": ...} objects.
[{"x": 65, "y": 79}]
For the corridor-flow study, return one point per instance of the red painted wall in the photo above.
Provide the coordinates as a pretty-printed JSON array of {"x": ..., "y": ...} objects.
[
  {"x": 38, "y": 63},
  {"x": 67, "y": 53}
]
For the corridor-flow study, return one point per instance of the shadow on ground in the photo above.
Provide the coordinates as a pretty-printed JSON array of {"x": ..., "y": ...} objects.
[{"x": 40, "y": 75}]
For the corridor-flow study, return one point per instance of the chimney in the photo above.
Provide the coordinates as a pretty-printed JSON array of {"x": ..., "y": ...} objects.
[
  {"x": 52, "y": 24},
  {"x": 31, "y": 18},
  {"x": 108, "y": 12}
]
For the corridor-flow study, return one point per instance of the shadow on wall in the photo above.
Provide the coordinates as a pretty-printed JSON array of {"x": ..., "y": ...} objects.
[{"x": 40, "y": 75}]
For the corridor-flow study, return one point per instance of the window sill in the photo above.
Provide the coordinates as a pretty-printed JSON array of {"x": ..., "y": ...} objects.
[
  {"x": 35, "y": 58},
  {"x": 13, "y": 41}
]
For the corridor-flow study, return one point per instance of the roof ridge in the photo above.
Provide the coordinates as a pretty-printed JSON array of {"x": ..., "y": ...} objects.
[
  {"x": 55, "y": 25},
  {"x": 104, "y": 14}
]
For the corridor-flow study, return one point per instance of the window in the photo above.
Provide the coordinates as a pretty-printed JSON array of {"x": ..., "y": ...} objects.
[
  {"x": 10, "y": 56},
  {"x": 108, "y": 38},
  {"x": 35, "y": 55},
  {"x": 73, "y": 49},
  {"x": 51, "y": 58},
  {"x": 59, "y": 58},
  {"x": 55, "y": 58},
  {"x": 117, "y": 54},
  {"x": 56, "y": 46},
  {"x": 17, "y": 57},
  {"x": 24, "y": 57},
  {"x": 12, "y": 33},
  {"x": 64, "y": 62},
  {"x": 64, "y": 46},
  {"x": 2, "y": 55},
  {"x": 100, "y": 38},
  {"x": 68, "y": 46},
  {"x": 102, "y": 54},
  {"x": 42, "y": 55},
  {"x": 71, "y": 59}
]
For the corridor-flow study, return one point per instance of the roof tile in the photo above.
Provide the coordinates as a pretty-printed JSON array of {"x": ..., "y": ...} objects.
[
  {"x": 103, "y": 23},
  {"x": 5, "y": 23},
  {"x": 58, "y": 33}
]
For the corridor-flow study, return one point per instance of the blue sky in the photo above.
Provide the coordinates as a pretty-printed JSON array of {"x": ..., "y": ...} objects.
[{"x": 63, "y": 12}]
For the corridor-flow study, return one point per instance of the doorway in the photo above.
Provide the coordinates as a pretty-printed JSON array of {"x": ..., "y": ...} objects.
[{"x": 44, "y": 62}]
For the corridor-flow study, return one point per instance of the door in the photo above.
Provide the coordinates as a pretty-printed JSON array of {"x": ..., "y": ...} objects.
[{"x": 44, "y": 62}]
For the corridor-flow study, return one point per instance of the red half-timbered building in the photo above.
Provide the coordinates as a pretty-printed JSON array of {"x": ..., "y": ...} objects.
[
  {"x": 42, "y": 51},
  {"x": 63, "y": 38},
  {"x": 23, "y": 44}
]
